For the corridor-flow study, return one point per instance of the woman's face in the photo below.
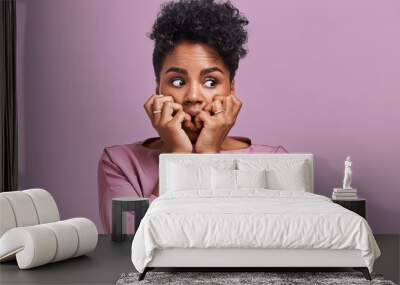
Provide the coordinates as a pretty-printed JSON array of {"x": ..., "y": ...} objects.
[{"x": 192, "y": 74}]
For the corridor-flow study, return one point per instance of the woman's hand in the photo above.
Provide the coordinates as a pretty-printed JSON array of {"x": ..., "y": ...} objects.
[
  {"x": 216, "y": 125},
  {"x": 167, "y": 121}
]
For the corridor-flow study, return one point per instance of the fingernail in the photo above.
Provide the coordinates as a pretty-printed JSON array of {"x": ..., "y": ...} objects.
[{"x": 159, "y": 95}]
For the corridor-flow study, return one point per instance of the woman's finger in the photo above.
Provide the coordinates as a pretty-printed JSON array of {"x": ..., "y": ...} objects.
[
  {"x": 228, "y": 106},
  {"x": 147, "y": 105},
  {"x": 179, "y": 117},
  {"x": 217, "y": 107},
  {"x": 227, "y": 103},
  {"x": 167, "y": 111},
  {"x": 157, "y": 106},
  {"x": 237, "y": 105},
  {"x": 208, "y": 106},
  {"x": 202, "y": 118},
  {"x": 219, "y": 97}
]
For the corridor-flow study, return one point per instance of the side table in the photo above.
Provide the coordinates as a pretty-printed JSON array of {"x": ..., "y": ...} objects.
[
  {"x": 357, "y": 205},
  {"x": 138, "y": 205}
]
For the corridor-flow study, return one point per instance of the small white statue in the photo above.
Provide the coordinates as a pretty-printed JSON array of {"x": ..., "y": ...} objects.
[{"x": 347, "y": 174}]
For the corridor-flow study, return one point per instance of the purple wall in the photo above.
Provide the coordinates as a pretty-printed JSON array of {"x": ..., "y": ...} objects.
[{"x": 321, "y": 77}]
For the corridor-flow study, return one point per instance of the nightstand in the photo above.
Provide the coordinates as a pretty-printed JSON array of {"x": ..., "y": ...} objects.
[
  {"x": 138, "y": 205},
  {"x": 358, "y": 206}
]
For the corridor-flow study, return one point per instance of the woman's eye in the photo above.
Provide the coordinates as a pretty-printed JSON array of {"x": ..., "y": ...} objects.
[
  {"x": 211, "y": 82},
  {"x": 176, "y": 82}
]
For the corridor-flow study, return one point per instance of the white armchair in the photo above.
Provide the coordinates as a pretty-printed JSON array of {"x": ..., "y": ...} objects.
[{"x": 32, "y": 233}]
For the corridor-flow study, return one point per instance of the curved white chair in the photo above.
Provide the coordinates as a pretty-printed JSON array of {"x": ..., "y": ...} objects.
[{"x": 31, "y": 230}]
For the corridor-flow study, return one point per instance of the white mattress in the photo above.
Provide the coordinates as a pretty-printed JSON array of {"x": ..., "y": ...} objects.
[{"x": 250, "y": 218}]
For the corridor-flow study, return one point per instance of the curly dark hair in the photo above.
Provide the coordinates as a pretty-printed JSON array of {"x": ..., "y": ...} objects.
[{"x": 219, "y": 25}]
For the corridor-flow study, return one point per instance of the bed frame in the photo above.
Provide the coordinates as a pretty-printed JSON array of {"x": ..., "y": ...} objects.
[{"x": 246, "y": 258}]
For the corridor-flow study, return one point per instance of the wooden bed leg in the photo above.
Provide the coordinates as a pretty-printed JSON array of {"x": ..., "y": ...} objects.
[
  {"x": 143, "y": 274},
  {"x": 364, "y": 271}
]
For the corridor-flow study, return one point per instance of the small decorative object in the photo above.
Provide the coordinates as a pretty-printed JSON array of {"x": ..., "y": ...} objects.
[
  {"x": 347, "y": 174},
  {"x": 347, "y": 192}
]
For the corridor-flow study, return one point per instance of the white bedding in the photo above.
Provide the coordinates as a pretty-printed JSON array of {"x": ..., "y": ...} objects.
[{"x": 250, "y": 218}]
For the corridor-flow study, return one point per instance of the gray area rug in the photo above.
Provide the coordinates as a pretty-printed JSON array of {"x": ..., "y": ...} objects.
[{"x": 273, "y": 278}]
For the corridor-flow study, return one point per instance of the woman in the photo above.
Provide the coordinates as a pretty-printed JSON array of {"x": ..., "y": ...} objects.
[{"x": 198, "y": 44}]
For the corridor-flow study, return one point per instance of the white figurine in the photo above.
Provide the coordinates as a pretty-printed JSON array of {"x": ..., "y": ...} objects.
[{"x": 347, "y": 174}]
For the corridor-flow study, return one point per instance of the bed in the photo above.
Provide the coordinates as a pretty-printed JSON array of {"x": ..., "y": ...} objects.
[{"x": 247, "y": 210}]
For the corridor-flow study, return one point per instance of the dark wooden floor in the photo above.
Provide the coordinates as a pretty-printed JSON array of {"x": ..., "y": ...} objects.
[{"x": 110, "y": 260}]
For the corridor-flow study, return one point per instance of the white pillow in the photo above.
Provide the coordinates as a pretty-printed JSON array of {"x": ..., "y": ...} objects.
[
  {"x": 235, "y": 179},
  {"x": 186, "y": 177},
  {"x": 288, "y": 179},
  {"x": 281, "y": 174},
  {"x": 251, "y": 178},
  {"x": 223, "y": 163},
  {"x": 223, "y": 179}
]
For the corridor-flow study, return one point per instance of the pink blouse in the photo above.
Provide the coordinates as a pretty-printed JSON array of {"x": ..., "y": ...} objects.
[{"x": 132, "y": 170}]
